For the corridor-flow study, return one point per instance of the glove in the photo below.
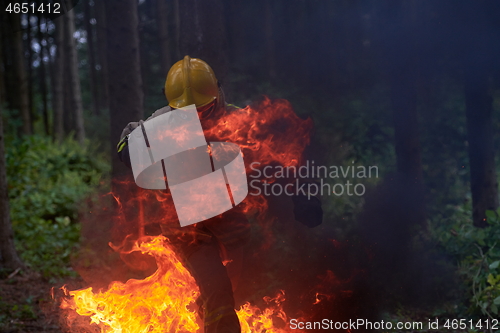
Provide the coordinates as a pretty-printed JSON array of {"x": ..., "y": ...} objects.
[
  {"x": 122, "y": 147},
  {"x": 133, "y": 125},
  {"x": 307, "y": 211},
  {"x": 129, "y": 128}
]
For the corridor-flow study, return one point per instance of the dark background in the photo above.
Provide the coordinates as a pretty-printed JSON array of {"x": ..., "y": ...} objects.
[{"x": 409, "y": 86}]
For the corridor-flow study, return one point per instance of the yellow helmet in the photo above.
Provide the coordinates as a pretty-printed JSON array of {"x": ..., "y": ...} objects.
[{"x": 191, "y": 81}]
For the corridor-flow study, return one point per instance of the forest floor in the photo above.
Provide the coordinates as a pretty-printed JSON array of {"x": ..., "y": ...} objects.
[{"x": 27, "y": 305}]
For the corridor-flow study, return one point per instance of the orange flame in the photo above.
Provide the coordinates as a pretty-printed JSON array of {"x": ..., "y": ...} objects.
[
  {"x": 269, "y": 133},
  {"x": 162, "y": 302},
  {"x": 159, "y": 303}
]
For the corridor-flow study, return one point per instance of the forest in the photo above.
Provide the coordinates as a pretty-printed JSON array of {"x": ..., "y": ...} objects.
[{"x": 401, "y": 99}]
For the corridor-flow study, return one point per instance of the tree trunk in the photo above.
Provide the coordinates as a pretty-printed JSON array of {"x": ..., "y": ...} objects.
[
  {"x": 234, "y": 28},
  {"x": 300, "y": 58},
  {"x": 406, "y": 133},
  {"x": 102, "y": 51},
  {"x": 43, "y": 77},
  {"x": 142, "y": 14},
  {"x": 125, "y": 81},
  {"x": 30, "y": 67},
  {"x": 203, "y": 33},
  {"x": 8, "y": 255},
  {"x": 68, "y": 116},
  {"x": 401, "y": 60},
  {"x": 74, "y": 84},
  {"x": 477, "y": 64},
  {"x": 163, "y": 36},
  {"x": 483, "y": 180},
  {"x": 270, "y": 44},
  {"x": 92, "y": 63},
  {"x": 9, "y": 78},
  {"x": 177, "y": 21},
  {"x": 20, "y": 74},
  {"x": 3, "y": 93},
  {"x": 58, "y": 72},
  {"x": 125, "y": 99}
]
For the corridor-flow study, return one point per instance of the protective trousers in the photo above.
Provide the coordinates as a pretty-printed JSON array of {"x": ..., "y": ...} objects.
[{"x": 204, "y": 262}]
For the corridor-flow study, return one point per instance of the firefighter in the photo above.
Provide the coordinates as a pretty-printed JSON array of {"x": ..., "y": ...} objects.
[{"x": 192, "y": 81}]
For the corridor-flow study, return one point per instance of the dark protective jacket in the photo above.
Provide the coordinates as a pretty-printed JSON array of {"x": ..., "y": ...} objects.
[{"x": 231, "y": 229}]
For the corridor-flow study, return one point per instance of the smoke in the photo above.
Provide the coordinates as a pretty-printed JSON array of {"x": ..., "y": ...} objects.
[{"x": 403, "y": 266}]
